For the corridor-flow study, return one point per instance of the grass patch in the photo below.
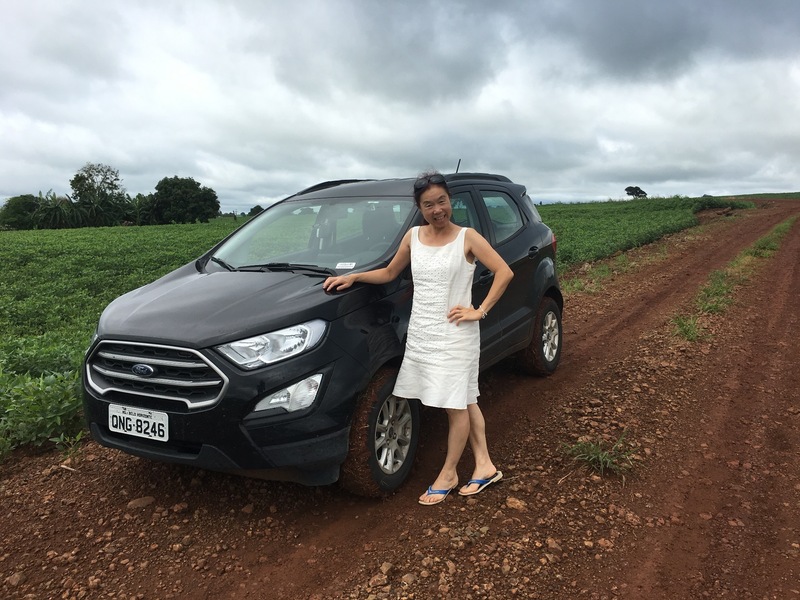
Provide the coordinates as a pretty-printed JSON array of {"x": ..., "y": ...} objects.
[
  {"x": 599, "y": 457},
  {"x": 687, "y": 327},
  {"x": 769, "y": 244},
  {"x": 591, "y": 277},
  {"x": 717, "y": 294},
  {"x": 622, "y": 263},
  {"x": 70, "y": 446}
]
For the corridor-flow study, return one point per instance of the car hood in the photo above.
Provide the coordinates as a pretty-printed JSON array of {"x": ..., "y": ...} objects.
[{"x": 199, "y": 309}]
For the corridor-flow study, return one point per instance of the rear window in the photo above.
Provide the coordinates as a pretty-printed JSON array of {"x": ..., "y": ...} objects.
[{"x": 504, "y": 214}]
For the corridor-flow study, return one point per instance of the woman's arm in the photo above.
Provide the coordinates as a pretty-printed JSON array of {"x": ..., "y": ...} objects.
[
  {"x": 477, "y": 246},
  {"x": 389, "y": 273}
]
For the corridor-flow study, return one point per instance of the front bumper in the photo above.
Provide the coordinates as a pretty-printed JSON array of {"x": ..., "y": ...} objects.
[
  {"x": 305, "y": 446},
  {"x": 309, "y": 462}
]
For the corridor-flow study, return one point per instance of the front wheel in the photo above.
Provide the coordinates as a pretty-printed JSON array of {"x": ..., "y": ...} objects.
[
  {"x": 541, "y": 357},
  {"x": 383, "y": 439}
]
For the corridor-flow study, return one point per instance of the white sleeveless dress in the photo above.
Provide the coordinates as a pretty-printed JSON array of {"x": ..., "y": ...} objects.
[{"x": 440, "y": 366}]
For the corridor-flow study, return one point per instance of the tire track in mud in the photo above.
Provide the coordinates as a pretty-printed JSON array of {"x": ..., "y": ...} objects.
[{"x": 734, "y": 532}]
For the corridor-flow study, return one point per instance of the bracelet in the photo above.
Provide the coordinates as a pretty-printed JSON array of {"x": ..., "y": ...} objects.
[{"x": 484, "y": 314}]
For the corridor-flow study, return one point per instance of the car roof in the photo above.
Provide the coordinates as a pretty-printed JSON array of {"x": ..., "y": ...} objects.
[{"x": 342, "y": 188}]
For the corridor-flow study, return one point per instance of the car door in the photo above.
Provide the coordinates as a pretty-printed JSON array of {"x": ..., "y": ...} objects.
[{"x": 513, "y": 236}]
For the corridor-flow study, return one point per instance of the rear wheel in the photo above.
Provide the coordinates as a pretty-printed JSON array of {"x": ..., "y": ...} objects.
[
  {"x": 543, "y": 354},
  {"x": 383, "y": 439}
]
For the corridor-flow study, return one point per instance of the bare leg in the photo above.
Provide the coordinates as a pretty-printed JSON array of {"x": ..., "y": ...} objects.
[
  {"x": 484, "y": 467},
  {"x": 457, "y": 436}
]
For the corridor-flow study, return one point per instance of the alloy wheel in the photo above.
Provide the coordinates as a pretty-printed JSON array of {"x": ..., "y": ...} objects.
[{"x": 393, "y": 431}]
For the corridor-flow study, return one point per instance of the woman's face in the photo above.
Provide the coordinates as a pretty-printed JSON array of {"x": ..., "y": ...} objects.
[{"x": 435, "y": 206}]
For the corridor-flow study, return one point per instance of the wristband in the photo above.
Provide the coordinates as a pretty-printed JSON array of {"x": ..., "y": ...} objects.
[{"x": 484, "y": 314}]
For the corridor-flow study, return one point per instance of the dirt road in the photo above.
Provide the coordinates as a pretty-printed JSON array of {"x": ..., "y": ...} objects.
[{"x": 711, "y": 510}]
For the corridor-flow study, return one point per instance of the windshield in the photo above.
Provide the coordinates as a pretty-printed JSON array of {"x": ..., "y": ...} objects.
[{"x": 335, "y": 233}]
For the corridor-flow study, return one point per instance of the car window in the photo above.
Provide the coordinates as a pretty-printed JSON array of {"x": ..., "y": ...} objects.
[
  {"x": 339, "y": 233},
  {"x": 504, "y": 215},
  {"x": 464, "y": 214},
  {"x": 532, "y": 206}
]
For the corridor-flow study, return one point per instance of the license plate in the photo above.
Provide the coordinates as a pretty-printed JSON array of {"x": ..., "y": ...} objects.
[{"x": 141, "y": 422}]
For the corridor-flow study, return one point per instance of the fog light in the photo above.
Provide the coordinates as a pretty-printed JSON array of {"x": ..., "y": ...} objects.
[{"x": 295, "y": 397}]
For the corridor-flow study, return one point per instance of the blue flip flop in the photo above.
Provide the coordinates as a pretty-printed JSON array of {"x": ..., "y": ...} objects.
[
  {"x": 482, "y": 484},
  {"x": 433, "y": 492}
]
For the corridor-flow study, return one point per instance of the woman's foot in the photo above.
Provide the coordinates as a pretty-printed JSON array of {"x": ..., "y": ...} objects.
[
  {"x": 436, "y": 493},
  {"x": 477, "y": 484}
]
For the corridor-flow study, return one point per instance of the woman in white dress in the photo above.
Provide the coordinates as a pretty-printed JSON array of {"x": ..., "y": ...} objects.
[{"x": 440, "y": 365}]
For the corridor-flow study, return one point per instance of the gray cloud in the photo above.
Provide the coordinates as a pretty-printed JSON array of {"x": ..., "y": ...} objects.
[
  {"x": 577, "y": 98},
  {"x": 630, "y": 39}
]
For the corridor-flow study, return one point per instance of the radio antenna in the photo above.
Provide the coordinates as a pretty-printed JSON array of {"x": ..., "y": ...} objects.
[{"x": 458, "y": 165}]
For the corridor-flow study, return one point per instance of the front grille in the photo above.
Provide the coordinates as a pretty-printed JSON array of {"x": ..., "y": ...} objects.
[{"x": 155, "y": 371}]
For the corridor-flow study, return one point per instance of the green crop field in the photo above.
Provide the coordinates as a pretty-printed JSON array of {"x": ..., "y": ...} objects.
[
  {"x": 55, "y": 283},
  {"x": 588, "y": 232}
]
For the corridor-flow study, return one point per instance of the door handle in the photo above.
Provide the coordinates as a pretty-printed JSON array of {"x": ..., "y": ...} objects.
[
  {"x": 485, "y": 277},
  {"x": 533, "y": 251}
]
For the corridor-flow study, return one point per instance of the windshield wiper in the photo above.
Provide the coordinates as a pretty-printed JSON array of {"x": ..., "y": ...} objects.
[
  {"x": 221, "y": 262},
  {"x": 283, "y": 266}
]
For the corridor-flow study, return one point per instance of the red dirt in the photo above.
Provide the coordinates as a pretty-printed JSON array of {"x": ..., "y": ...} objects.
[{"x": 711, "y": 508}]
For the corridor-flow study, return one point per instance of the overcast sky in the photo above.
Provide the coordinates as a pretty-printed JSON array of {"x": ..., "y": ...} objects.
[{"x": 256, "y": 99}]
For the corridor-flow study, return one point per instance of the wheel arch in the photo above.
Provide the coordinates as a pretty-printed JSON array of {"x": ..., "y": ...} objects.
[
  {"x": 361, "y": 473},
  {"x": 546, "y": 284}
]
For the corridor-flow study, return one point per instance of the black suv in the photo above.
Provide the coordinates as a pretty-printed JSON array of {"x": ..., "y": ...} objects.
[{"x": 241, "y": 362}]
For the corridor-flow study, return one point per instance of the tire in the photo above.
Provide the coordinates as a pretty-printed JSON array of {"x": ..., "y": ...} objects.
[
  {"x": 543, "y": 354},
  {"x": 383, "y": 439}
]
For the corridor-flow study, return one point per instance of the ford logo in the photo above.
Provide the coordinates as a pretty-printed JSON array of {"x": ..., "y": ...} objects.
[{"x": 143, "y": 370}]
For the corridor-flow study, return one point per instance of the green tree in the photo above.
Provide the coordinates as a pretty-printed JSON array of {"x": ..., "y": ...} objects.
[
  {"x": 56, "y": 212},
  {"x": 255, "y": 210},
  {"x": 140, "y": 209},
  {"x": 97, "y": 191},
  {"x": 635, "y": 191},
  {"x": 183, "y": 200},
  {"x": 18, "y": 211}
]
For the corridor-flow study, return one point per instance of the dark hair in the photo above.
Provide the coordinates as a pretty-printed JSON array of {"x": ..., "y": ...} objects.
[{"x": 427, "y": 180}]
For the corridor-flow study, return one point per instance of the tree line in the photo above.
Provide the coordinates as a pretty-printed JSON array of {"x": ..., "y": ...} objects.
[{"x": 99, "y": 199}]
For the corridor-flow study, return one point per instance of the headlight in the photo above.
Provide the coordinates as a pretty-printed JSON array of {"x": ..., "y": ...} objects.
[
  {"x": 295, "y": 397},
  {"x": 268, "y": 348},
  {"x": 92, "y": 340}
]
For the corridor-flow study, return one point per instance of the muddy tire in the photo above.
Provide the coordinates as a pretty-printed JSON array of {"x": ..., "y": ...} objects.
[
  {"x": 383, "y": 439},
  {"x": 542, "y": 356}
]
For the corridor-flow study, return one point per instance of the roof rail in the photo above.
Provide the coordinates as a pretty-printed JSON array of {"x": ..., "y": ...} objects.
[
  {"x": 486, "y": 176},
  {"x": 328, "y": 184}
]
